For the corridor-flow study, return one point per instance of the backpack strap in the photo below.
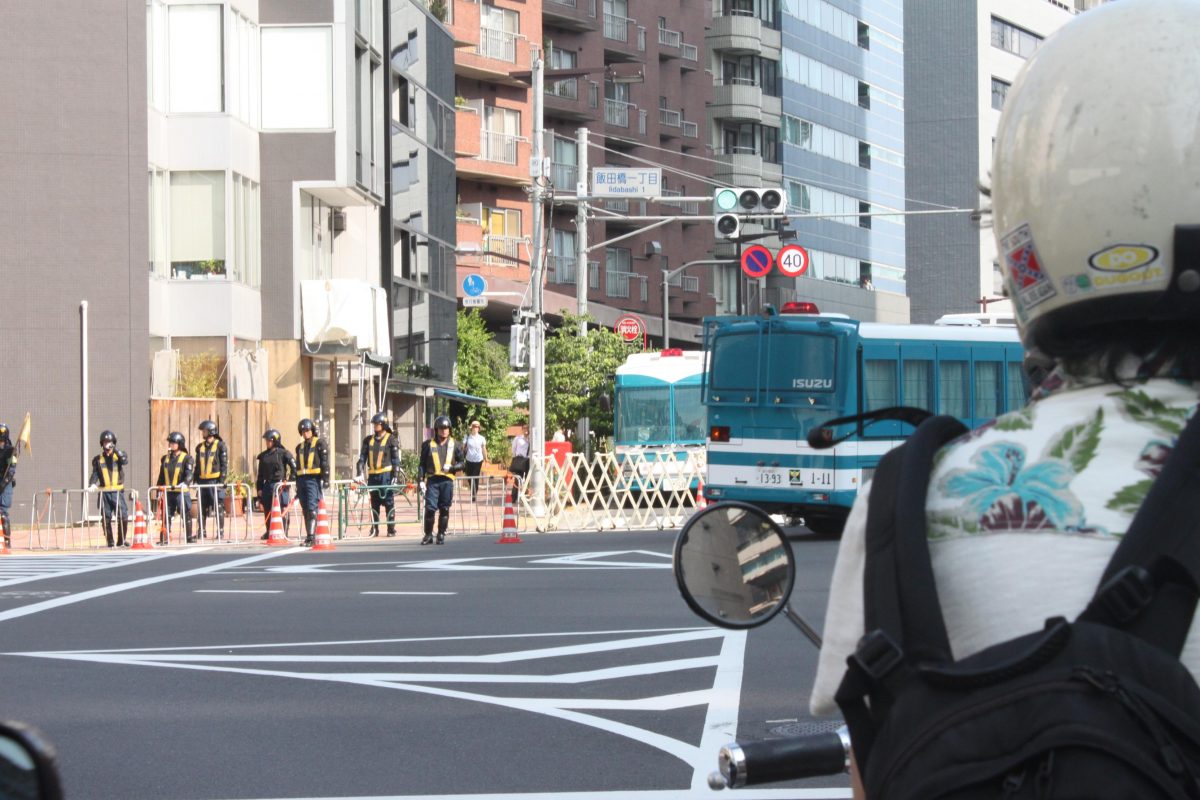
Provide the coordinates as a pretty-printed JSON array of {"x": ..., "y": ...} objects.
[
  {"x": 1151, "y": 584},
  {"x": 903, "y": 616}
]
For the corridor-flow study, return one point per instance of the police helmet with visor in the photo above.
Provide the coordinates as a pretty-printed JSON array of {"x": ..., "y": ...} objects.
[
  {"x": 441, "y": 422},
  {"x": 107, "y": 437},
  {"x": 305, "y": 424},
  {"x": 208, "y": 427},
  {"x": 271, "y": 436},
  {"x": 175, "y": 437}
]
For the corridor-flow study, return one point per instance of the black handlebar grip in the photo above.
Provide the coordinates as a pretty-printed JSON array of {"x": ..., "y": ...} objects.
[{"x": 785, "y": 759}]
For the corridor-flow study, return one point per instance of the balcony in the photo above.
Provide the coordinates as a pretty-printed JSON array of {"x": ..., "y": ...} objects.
[
  {"x": 575, "y": 99},
  {"x": 496, "y": 56},
  {"x": 563, "y": 271},
  {"x": 690, "y": 54},
  {"x": 744, "y": 167},
  {"x": 464, "y": 23},
  {"x": 502, "y": 158},
  {"x": 624, "y": 39},
  {"x": 573, "y": 15},
  {"x": 741, "y": 32},
  {"x": 616, "y": 284},
  {"x": 467, "y": 123},
  {"x": 565, "y": 178},
  {"x": 670, "y": 122},
  {"x": 505, "y": 248},
  {"x": 742, "y": 99},
  {"x": 616, "y": 113},
  {"x": 671, "y": 40},
  {"x": 691, "y": 130},
  {"x": 500, "y": 148}
]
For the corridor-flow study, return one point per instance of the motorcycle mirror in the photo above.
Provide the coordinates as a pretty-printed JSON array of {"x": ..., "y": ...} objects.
[
  {"x": 27, "y": 766},
  {"x": 733, "y": 565}
]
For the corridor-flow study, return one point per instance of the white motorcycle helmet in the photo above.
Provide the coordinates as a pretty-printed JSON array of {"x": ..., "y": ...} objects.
[{"x": 1096, "y": 174}]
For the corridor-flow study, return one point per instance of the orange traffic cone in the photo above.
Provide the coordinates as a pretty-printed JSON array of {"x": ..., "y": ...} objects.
[
  {"x": 324, "y": 540},
  {"x": 275, "y": 534},
  {"x": 141, "y": 536},
  {"x": 5, "y": 539},
  {"x": 509, "y": 534},
  {"x": 701, "y": 500}
]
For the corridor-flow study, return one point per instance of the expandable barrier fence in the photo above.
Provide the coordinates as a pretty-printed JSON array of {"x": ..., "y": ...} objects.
[{"x": 607, "y": 492}]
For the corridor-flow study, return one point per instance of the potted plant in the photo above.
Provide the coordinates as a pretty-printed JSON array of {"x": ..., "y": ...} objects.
[{"x": 238, "y": 494}]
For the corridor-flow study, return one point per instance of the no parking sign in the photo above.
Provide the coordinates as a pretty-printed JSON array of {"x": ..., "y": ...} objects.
[{"x": 756, "y": 261}]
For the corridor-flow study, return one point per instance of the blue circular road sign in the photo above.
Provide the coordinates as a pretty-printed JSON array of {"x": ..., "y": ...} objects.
[{"x": 474, "y": 285}]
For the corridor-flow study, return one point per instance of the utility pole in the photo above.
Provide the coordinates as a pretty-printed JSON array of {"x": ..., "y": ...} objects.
[
  {"x": 537, "y": 333},
  {"x": 582, "y": 275}
]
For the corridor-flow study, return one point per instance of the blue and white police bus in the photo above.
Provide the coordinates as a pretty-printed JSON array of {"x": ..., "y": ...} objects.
[
  {"x": 773, "y": 378},
  {"x": 658, "y": 415}
]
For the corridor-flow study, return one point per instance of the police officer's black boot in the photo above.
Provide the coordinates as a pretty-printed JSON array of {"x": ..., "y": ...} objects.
[
  {"x": 374, "y": 522},
  {"x": 108, "y": 531},
  {"x": 310, "y": 524},
  {"x": 121, "y": 527},
  {"x": 428, "y": 528},
  {"x": 187, "y": 526},
  {"x": 443, "y": 524},
  {"x": 391, "y": 514}
]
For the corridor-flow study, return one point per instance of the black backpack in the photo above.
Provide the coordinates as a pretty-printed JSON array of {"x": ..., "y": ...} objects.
[{"x": 1097, "y": 708}]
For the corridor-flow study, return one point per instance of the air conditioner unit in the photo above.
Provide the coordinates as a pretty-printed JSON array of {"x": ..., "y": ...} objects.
[{"x": 337, "y": 221}]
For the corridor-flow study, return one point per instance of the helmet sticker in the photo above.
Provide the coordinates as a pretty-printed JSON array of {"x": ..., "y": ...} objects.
[
  {"x": 1123, "y": 257},
  {"x": 1032, "y": 285}
]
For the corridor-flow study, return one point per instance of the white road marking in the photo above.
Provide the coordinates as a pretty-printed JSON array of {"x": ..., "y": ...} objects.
[
  {"x": 654, "y": 794},
  {"x": 46, "y": 605},
  {"x": 237, "y": 591},
  {"x": 560, "y": 561},
  {"x": 408, "y": 593},
  {"x": 26, "y": 568},
  {"x": 721, "y": 700}
]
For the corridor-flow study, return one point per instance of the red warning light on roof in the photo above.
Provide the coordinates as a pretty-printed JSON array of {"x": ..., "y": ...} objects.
[
  {"x": 795, "y": 307},
  {"x": 671, "y": 351}
]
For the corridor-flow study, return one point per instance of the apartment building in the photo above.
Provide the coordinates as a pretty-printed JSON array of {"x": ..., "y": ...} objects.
[
  {"x": 961, "y": 59},
  {"x": 72, "y": 249},
  {"x": 810, "y": 99}
]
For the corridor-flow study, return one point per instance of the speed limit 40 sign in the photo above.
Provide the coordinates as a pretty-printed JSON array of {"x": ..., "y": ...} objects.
[{"x": 792, "y": 260}]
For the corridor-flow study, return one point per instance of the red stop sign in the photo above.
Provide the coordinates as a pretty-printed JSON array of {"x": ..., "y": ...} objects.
[{"x": 629, "y": 328}]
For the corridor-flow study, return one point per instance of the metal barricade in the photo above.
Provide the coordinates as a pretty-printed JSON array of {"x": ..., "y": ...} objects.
[
  {"x": 70, "y": 519},
  {"x": 485, "y": 512},
  {"x": 353, "y": 506},
  {"x": 231, "y": 513}
]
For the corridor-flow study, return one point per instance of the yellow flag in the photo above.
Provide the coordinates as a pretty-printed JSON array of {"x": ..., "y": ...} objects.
[{"x": 23, "y": 436}]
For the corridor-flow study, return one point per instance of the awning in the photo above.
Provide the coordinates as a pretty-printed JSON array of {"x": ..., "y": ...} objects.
[{"x": 472, "y": 400}]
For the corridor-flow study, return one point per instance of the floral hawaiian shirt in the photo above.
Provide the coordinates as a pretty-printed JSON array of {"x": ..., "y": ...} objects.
[{"x": 1023, "y": 514}]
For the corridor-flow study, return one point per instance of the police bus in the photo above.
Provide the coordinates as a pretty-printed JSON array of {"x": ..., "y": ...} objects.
[
  {"x": 660, "y": 424},
  {"x": 773, "y": 378}
]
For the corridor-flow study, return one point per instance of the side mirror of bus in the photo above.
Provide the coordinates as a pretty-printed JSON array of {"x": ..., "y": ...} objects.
[{"x": 734, "y": 566}]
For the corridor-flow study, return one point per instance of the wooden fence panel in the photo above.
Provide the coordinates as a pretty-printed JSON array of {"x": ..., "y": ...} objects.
[{"x": 241, "y": 424}]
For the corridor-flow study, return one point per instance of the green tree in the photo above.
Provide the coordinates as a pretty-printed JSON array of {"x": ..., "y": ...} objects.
[
  {"x": 483, "y": 371},
  {"x": 579, "y": 372}
]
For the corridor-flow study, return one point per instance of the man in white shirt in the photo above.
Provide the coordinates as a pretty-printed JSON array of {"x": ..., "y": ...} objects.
[
  {"x": 476, "y": 446},
  {"x": 520, "y": 461}
]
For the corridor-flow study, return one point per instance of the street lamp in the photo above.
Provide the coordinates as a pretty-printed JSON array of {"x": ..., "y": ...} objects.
[{"x": 667, "y": 274}]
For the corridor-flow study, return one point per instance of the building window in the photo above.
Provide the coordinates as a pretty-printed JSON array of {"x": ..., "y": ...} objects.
[
  {"x": 999, "y": 93},
  {"x": 197, "y": 229},
  {"x": 502, "y": 235},
  {"x": 196, "y": 80},
  {"x": 1015, "y": 40},
  {"x": 297, "y": 78},
  {"x": 243, "y": 70},
  {"x": 158, "y": 223},
  {"x": 316, "y": 238},
  {"x": 245, "y": 266},
  {"x": 864, "y": 209},
  {"x": 156, "y": 55}
]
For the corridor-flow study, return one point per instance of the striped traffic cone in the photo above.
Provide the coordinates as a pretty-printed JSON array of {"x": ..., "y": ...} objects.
[
  {"x": 701, "y": 500},
  {"x": 141, "y": 536},
  {"x": 323, "y": 539},
  {"x": 509, "y": 534},
  {"x": 275, "y": 534}
]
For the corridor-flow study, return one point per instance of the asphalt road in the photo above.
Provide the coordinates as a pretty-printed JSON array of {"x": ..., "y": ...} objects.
[{"x": 566, "y": 666}]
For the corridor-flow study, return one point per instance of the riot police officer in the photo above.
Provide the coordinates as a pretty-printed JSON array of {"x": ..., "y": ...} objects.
[
  {"x": 174, "y": 475},
  {"x": 108, "y": 474},
  {"x": 212, "y": 471},
  {"x": 379, "y": 460},
  {"x": 312, "y": 475},
  {"x": 275, "y": 466},
  {"x": 440, "y": 459},
  {"x": 8, "y": 476}
]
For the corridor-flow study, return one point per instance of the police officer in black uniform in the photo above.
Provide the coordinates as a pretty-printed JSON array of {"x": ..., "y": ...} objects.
[
  {"x": 8, "y": 476},
  {"x": 312, "y": 475},
  {"x": 275, "y": 466},
  {"x": 212, "y": 470},
  {"x": 108, "y": 474},
  {"x": 379, "y": 460},
  {"x": 174, "y": 475},
  {"x": 440, "y": 459}
]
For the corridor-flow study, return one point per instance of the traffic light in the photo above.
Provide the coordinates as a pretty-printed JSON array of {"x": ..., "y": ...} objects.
[
  {"x": 730, "y": 205},
  {"x": 518, "y": 346}
]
